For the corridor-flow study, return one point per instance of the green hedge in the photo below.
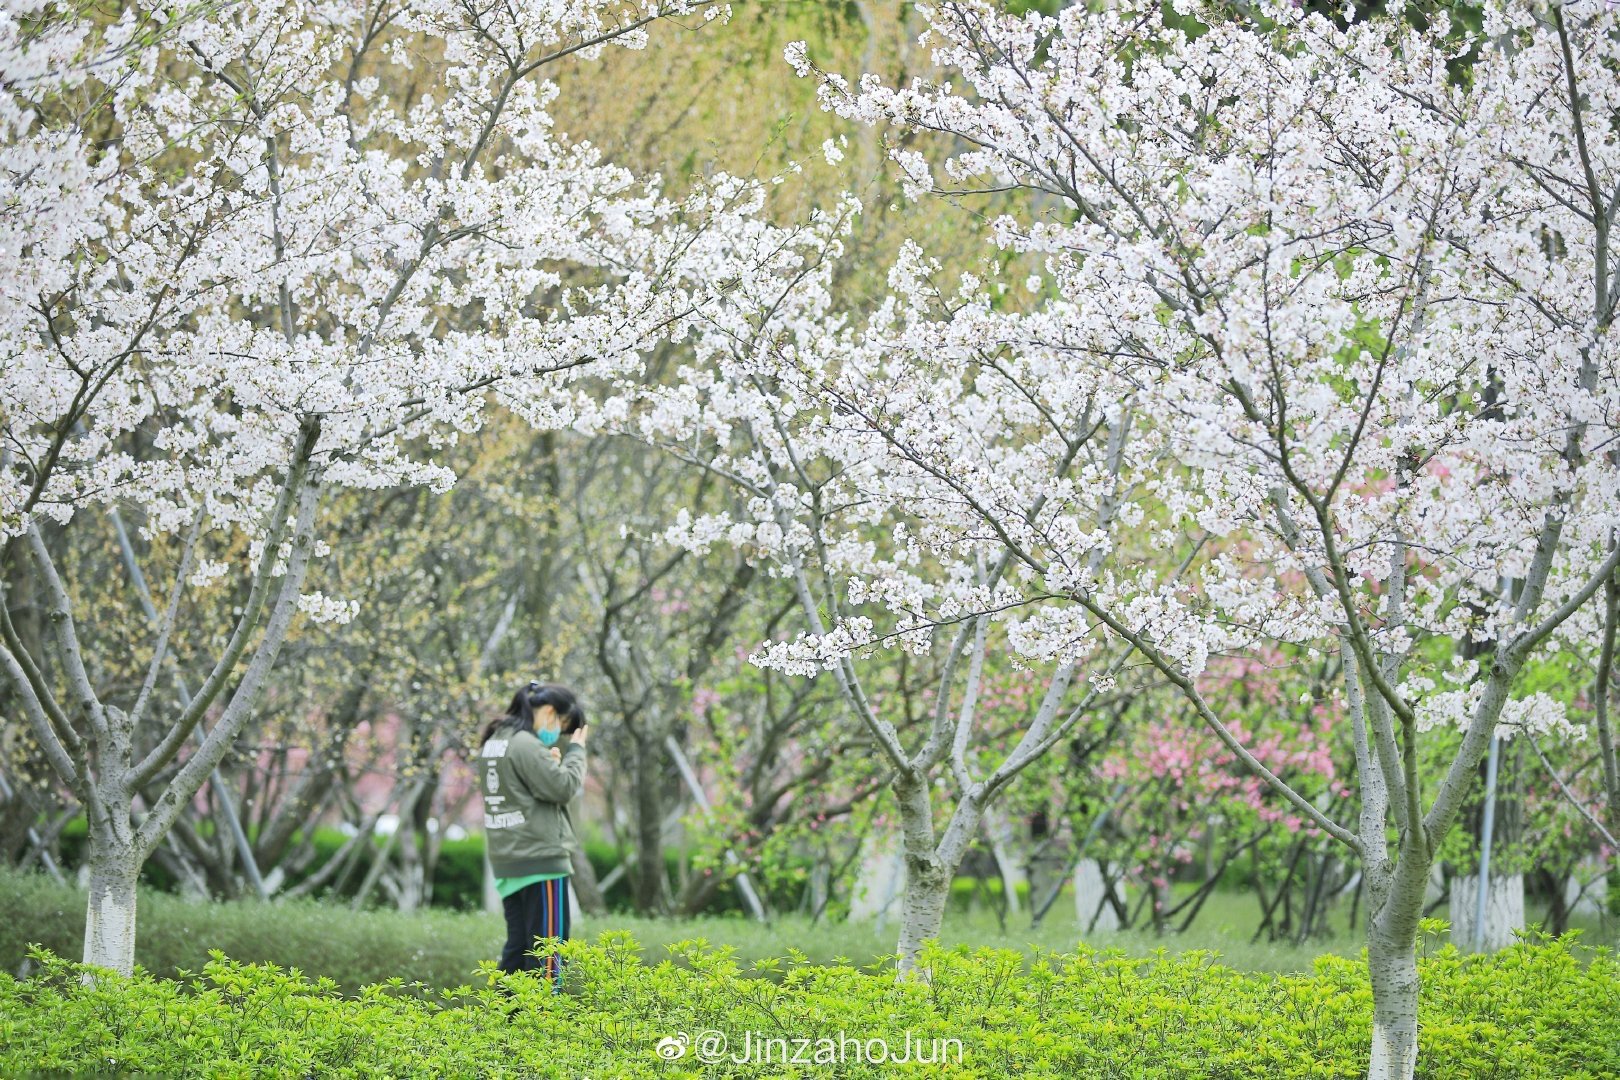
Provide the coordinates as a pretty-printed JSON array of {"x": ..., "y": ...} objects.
[
  {"x": 457, "y": 885},
  {"x": 1530, "y": 1011},
  {"x": 174, "y": 934},
  {"x": 459, "y": 876},
  {"x": 436, "y": 947}
]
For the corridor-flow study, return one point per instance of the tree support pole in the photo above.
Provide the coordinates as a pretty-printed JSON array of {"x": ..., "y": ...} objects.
[{"x": 1486, "y": 831}]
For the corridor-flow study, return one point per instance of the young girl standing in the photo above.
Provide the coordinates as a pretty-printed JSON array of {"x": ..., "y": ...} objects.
[{"x": 531, "y": 764}]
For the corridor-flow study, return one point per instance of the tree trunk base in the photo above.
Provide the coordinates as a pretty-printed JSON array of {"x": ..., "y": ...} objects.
[
  {"x": 1395, "y": 999},
  {"x": 109, "y": 924},
  {"x": 922, "y": 913}
]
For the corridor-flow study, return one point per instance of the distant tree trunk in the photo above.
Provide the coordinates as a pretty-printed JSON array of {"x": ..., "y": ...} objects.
[
  {"x": 1002, "y": 838},
  {"x": 20, "y": 759},
  {"x": 698, "y": 892},
  {"x": 1092, "y": 907},
  {"x": 1504, "y": 911},
  {"x": 1159, "y": 901},
  {"x": 490, "y": 897},
  {"x": 319, "y": 774},
  {"x": 878, "y": 876},
  {"x": 19, "y": 810},
  {"x": 411, "y": 893},
  {"x": 585, "y": 886},
  {"x": 1554, "y": 883},
  {"x": 649, "y": 885},
  {"x": 421, "y": 850}
]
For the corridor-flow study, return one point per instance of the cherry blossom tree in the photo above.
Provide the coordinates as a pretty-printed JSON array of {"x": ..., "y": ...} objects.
[
  {"x": 1347, "y": 308},
  {"x": 254, "y": 252},
  {"x": 822, "y": 506}
]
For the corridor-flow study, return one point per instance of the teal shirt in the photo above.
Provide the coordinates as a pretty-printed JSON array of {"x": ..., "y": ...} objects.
[{"x": 506, "y": 886}]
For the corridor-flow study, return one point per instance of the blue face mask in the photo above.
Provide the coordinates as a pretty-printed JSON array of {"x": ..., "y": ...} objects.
[{"x": 546, "y": 736}]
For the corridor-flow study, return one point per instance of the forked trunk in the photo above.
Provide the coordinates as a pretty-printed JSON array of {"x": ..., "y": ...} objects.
[
  {"x": 928, "y": 877},
  {"x": 930, "y": 867}
]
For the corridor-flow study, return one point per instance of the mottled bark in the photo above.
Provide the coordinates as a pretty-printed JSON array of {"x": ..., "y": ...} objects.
[
  {"x": 1395, "y": 892},
  {"x": 922, "y": 909},
  {"x": 930, "y": 866},
  {"x": 109, "y": 924},
  {"x": 1392, "y": 964}
]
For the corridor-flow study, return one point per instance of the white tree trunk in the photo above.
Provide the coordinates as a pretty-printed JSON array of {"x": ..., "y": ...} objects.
[
  {"x": 930, "y": 867},
  {"x": 1395, "y": 895},
  {"x": 1393, "y": 967},
  {"x": 109, "y": 924},
  {"x": 575, "y": 912},
  {"x": 877, "y": 883},
  {"x": 1091, "y": 906},
  {"x": 1504, "y": 912},
  {"x": 819, "y": 877},
  {"x": 928, "y": 886},
  {"x": 1436, "y": 887}
]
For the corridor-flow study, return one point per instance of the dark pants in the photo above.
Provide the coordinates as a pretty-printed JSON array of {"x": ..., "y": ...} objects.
[{"x": 538, "y": 910}]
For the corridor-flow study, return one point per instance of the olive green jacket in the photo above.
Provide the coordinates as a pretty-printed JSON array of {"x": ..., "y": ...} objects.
[{"x": 526, "y": 824}]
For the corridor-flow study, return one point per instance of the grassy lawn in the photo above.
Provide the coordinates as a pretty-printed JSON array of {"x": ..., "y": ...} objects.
[{"x": 441, "y": 948}]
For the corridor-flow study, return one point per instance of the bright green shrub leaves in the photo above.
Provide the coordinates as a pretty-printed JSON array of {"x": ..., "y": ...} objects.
[{"x": 1537, "y": 1009}]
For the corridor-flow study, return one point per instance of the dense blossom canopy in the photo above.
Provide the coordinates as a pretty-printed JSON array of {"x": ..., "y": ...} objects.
[{"x": 222, "y": 222}]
